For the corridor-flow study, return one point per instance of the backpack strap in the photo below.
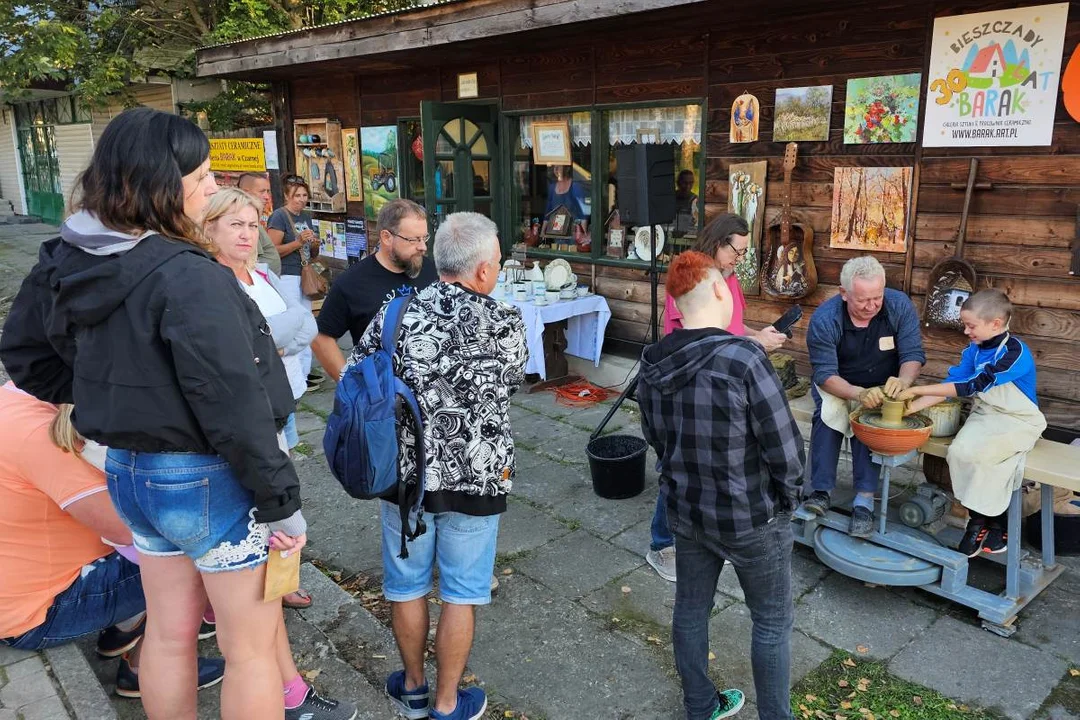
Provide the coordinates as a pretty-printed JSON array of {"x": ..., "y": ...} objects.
[{"x": 391, "y": 330}]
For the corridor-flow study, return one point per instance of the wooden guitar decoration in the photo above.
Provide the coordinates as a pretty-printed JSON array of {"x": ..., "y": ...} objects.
[{"x": 789, "y": 271}]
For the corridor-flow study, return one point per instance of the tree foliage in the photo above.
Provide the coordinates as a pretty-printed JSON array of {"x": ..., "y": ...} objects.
[{"x": 99, "y": 47}]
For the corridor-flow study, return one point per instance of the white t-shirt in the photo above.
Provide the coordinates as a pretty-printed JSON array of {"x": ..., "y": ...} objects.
[{"x": 271, "y": 303}]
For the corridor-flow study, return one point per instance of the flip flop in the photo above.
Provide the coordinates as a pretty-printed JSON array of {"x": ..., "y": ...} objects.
[{"x": 304, "y": 596}]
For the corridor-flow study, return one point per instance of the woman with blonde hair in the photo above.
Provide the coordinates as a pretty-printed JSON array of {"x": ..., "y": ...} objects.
[{"x": 177, "y": 374}]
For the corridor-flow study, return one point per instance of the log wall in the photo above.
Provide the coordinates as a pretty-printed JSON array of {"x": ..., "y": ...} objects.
[{"x": 1019, "y": 232}]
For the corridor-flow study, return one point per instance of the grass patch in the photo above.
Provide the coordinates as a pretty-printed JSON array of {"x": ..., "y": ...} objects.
[
  {"x": 571, "y": 523},
  {"x": 303, "y": 448},
  {"x": 847, "y": 688},
  {"x": 504, "y": 559}
]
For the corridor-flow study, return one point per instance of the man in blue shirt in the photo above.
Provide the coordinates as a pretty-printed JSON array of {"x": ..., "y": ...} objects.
[{"x": 864, "y": 344}]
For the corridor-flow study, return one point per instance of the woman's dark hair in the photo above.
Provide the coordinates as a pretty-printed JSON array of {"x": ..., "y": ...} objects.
[
  {"x": 291, "y": 183},
  {"x": 719, "y": 232},
  {"x": 133, "y": 181}
]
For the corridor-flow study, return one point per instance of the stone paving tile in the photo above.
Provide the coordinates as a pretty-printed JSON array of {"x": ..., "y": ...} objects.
[
  {"x": 546, "y": 486},
  {"x": 27, "y": 689},
  {"x": 11, "y": 655},
  {"x": 560, "y": 664},
  {"x": 549, "y": 437},
  {"x": 806, "y": 572},
  {"x": 80, "y": 687},
  {"x": 51, "y": 708},
  {"x": 729, "y": 640},
  {"x": 863, "y": 620},
  {"x": 577, "y": 564},
  {"x": 1049, "y": 623},
  {"x": 651, "y": 598},
  {"x": 601, "y": 516},
  {"x": 637, "y": 538},
  {"x": 309, "y": 423},
  {"x": 23, "y": 668},
  {"x": 523, "y": 528},
  {"x": 1014, "y": 679},
  {"x": 343, "y": 532}
]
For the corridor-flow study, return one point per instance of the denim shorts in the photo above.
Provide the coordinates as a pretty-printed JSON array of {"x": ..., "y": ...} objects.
[
  {"x": 107, "y": 591},
  {"x": 463, "y": 545},
  {"x": 187, "y": 504}
]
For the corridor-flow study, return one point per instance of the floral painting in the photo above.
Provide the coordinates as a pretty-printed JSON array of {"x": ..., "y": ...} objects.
[
  {"x": 802, "y": 114},
  {"x": 746, "y": 198},
  {"x": 882, "y": 109},
  {"x": 870, "y": 207}
]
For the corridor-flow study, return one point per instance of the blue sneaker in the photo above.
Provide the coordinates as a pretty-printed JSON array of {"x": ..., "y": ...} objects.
[
  {"x": 413, "y": 704},
  {"x": 211, "y": 672},
  {"x": 471, "y": 704}
]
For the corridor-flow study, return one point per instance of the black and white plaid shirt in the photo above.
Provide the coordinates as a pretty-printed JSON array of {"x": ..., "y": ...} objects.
[{"x": 729, "y": 451}]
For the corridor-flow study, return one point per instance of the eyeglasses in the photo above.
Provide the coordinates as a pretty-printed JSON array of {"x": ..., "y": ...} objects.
[
  {"x": 411, "y": 240},
  {"x": 739, "y": 254}
]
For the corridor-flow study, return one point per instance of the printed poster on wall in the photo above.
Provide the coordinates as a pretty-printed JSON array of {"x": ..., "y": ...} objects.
[
  {"x": 994, "y": 77},
  {"x": 355, "y": 236}
]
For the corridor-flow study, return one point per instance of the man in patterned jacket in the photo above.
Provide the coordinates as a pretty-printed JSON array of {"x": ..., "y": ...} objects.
[
  {"x": 729, "y": 456},
  {"x": 463, "y": 355}
]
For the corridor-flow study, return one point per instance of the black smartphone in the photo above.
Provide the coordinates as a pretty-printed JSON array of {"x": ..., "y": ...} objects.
[{"x": 788, "y": 319}]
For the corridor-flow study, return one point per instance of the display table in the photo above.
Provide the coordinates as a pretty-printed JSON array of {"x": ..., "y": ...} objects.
[{"x": 585, "y": 320}]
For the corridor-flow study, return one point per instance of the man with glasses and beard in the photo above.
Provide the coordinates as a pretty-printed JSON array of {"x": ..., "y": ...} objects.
[{"x": 400, "y": 266}]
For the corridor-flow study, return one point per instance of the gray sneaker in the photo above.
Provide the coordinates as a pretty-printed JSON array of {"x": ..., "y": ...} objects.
[
  {"x": 862, "y": 523},
  {"x": 663, "y": 562},
  {"x": 316, "y": 707},
  {"x": 818, "y": 503},
  {"x": 494, "y": 585}
]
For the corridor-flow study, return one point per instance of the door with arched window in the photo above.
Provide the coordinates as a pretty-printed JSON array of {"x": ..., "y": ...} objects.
[{"x": 460, "y": 159}]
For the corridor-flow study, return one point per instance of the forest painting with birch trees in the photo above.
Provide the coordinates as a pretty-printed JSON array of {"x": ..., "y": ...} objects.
[{"x": 870, "y": 206}]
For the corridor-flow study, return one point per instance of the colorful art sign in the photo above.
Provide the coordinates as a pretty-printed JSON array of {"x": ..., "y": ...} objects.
[
  {"x": 882, "y": 109},
  {"x": 237, "y": 155},
  {"x": 746, "y": 198},
  {"x": 870, "y": 208},
  {"x": 350, "y": 142},
  {"x": 994, "y": 77}
]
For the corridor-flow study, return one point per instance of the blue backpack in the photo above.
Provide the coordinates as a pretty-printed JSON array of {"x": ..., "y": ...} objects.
[{"x": 361, "y": 439}]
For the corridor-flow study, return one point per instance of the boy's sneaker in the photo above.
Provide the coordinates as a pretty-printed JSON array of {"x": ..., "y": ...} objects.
[
  {"x": 413, "y": 704},
  {"x": 731, "y": 702},
  {"x": 862, "y": 523},
  {"x": 663, "y": 562},
  {"x": 114, "y": 642},
  {"x": 471, "y": 704},
  {"x": 997, "y": 541},
  {"x": 974, "y": 537},
  {"x": 316, "y": 707},
  {"x": 315, "y": 380},
  {"x": 211, "y": 672},
  {"x": 818, "y": 503}
]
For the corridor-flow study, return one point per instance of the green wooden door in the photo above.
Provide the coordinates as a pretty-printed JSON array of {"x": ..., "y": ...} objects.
[
  {"x": 460, "y": 156},
  {"x": 41, "y": 173}
]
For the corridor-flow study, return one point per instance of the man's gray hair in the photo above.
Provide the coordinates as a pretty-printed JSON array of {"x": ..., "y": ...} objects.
[
  {"x": 864, "y": 267},
  {"x": 463, "y": 243}
]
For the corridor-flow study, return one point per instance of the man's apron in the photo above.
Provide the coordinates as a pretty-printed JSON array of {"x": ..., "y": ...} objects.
[
  {"x": 986, "y": 459},
  {"x": 836, "y": 413}
]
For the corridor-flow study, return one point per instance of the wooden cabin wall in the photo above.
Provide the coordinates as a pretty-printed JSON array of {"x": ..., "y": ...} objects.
[{"x": 1018, "y": 233}]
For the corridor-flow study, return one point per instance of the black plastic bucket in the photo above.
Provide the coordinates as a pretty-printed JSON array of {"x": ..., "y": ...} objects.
[{"x": 617, "y": 464}]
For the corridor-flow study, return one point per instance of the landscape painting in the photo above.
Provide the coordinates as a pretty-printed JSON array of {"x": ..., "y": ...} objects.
[
  {"x": 870, "y": 208},
  {"x": 882, "y": 109},
  {"x": 379, "y": 165},
  {"x": 803, "y": 114}
]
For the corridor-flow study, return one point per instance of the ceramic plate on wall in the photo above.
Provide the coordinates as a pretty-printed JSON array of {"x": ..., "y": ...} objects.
[{"x": 641, "y": 242}]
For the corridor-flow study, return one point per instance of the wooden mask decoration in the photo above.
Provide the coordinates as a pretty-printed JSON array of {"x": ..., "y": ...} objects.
[{"x": 745, "y": 117}]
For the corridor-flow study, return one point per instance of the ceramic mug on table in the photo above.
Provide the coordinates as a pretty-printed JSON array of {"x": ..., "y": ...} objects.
[
  {"x": 582, "y": 291},
  {"x": 521, "y": 292},
  {"x": 552, "y": 296}
]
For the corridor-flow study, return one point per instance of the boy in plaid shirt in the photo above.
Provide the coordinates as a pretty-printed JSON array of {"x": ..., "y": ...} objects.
[{"x": 729, "y": 457}]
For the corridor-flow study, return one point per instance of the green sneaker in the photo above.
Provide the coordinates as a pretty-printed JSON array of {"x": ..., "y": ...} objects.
[{"x": 731, "y": 702}]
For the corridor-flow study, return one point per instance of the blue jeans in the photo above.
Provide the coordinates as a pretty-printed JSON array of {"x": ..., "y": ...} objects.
[
  {"x": 187, "y": 504},
  {"x": 108, "y": 591},
  {"x": 661, "y": 533},
  {"x": 463, "y": 545},
  {"x": 762, "y": 560},
  {"x": 825, "y": 446}
]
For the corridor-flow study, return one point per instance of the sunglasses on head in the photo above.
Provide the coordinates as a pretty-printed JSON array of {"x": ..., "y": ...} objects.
[{"x": 293, "y": 180}]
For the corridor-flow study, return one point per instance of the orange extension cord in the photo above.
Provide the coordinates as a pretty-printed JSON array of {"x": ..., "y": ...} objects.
[{"x": 581, "y": 394}]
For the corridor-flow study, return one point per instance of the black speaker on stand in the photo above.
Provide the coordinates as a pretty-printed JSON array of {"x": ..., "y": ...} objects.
[{"x": 645, "y": 196}]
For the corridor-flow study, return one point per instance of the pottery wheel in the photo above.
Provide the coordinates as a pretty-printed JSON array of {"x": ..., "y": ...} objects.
[{"x": 911, "y": 422}]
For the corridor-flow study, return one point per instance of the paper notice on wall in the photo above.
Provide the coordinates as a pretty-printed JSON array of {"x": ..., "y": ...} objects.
[
  {"x": 270, "y": 145},
  {"x": 994, "y": 77}
]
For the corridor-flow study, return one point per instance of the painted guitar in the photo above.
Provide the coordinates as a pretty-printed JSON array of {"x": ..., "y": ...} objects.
[{"x": 789, "y": 270}]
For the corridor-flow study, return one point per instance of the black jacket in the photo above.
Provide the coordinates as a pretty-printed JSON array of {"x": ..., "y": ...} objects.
[{"x": 160, "y": 351}]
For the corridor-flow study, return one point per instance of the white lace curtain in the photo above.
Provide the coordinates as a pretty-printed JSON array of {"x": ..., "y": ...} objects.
[{"x": 679, "y": 124}]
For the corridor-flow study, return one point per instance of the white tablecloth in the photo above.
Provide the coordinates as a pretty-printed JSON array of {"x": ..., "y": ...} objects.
[{"x": 586, "y": 317}]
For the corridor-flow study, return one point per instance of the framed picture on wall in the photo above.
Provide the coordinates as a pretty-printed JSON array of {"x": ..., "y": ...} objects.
[
  {"x": 551, "y": 143},
  {"x": 354, "y": 189}
]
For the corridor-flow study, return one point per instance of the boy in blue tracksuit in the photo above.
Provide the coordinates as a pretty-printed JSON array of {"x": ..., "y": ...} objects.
[{"x": 986, "y": 458}]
